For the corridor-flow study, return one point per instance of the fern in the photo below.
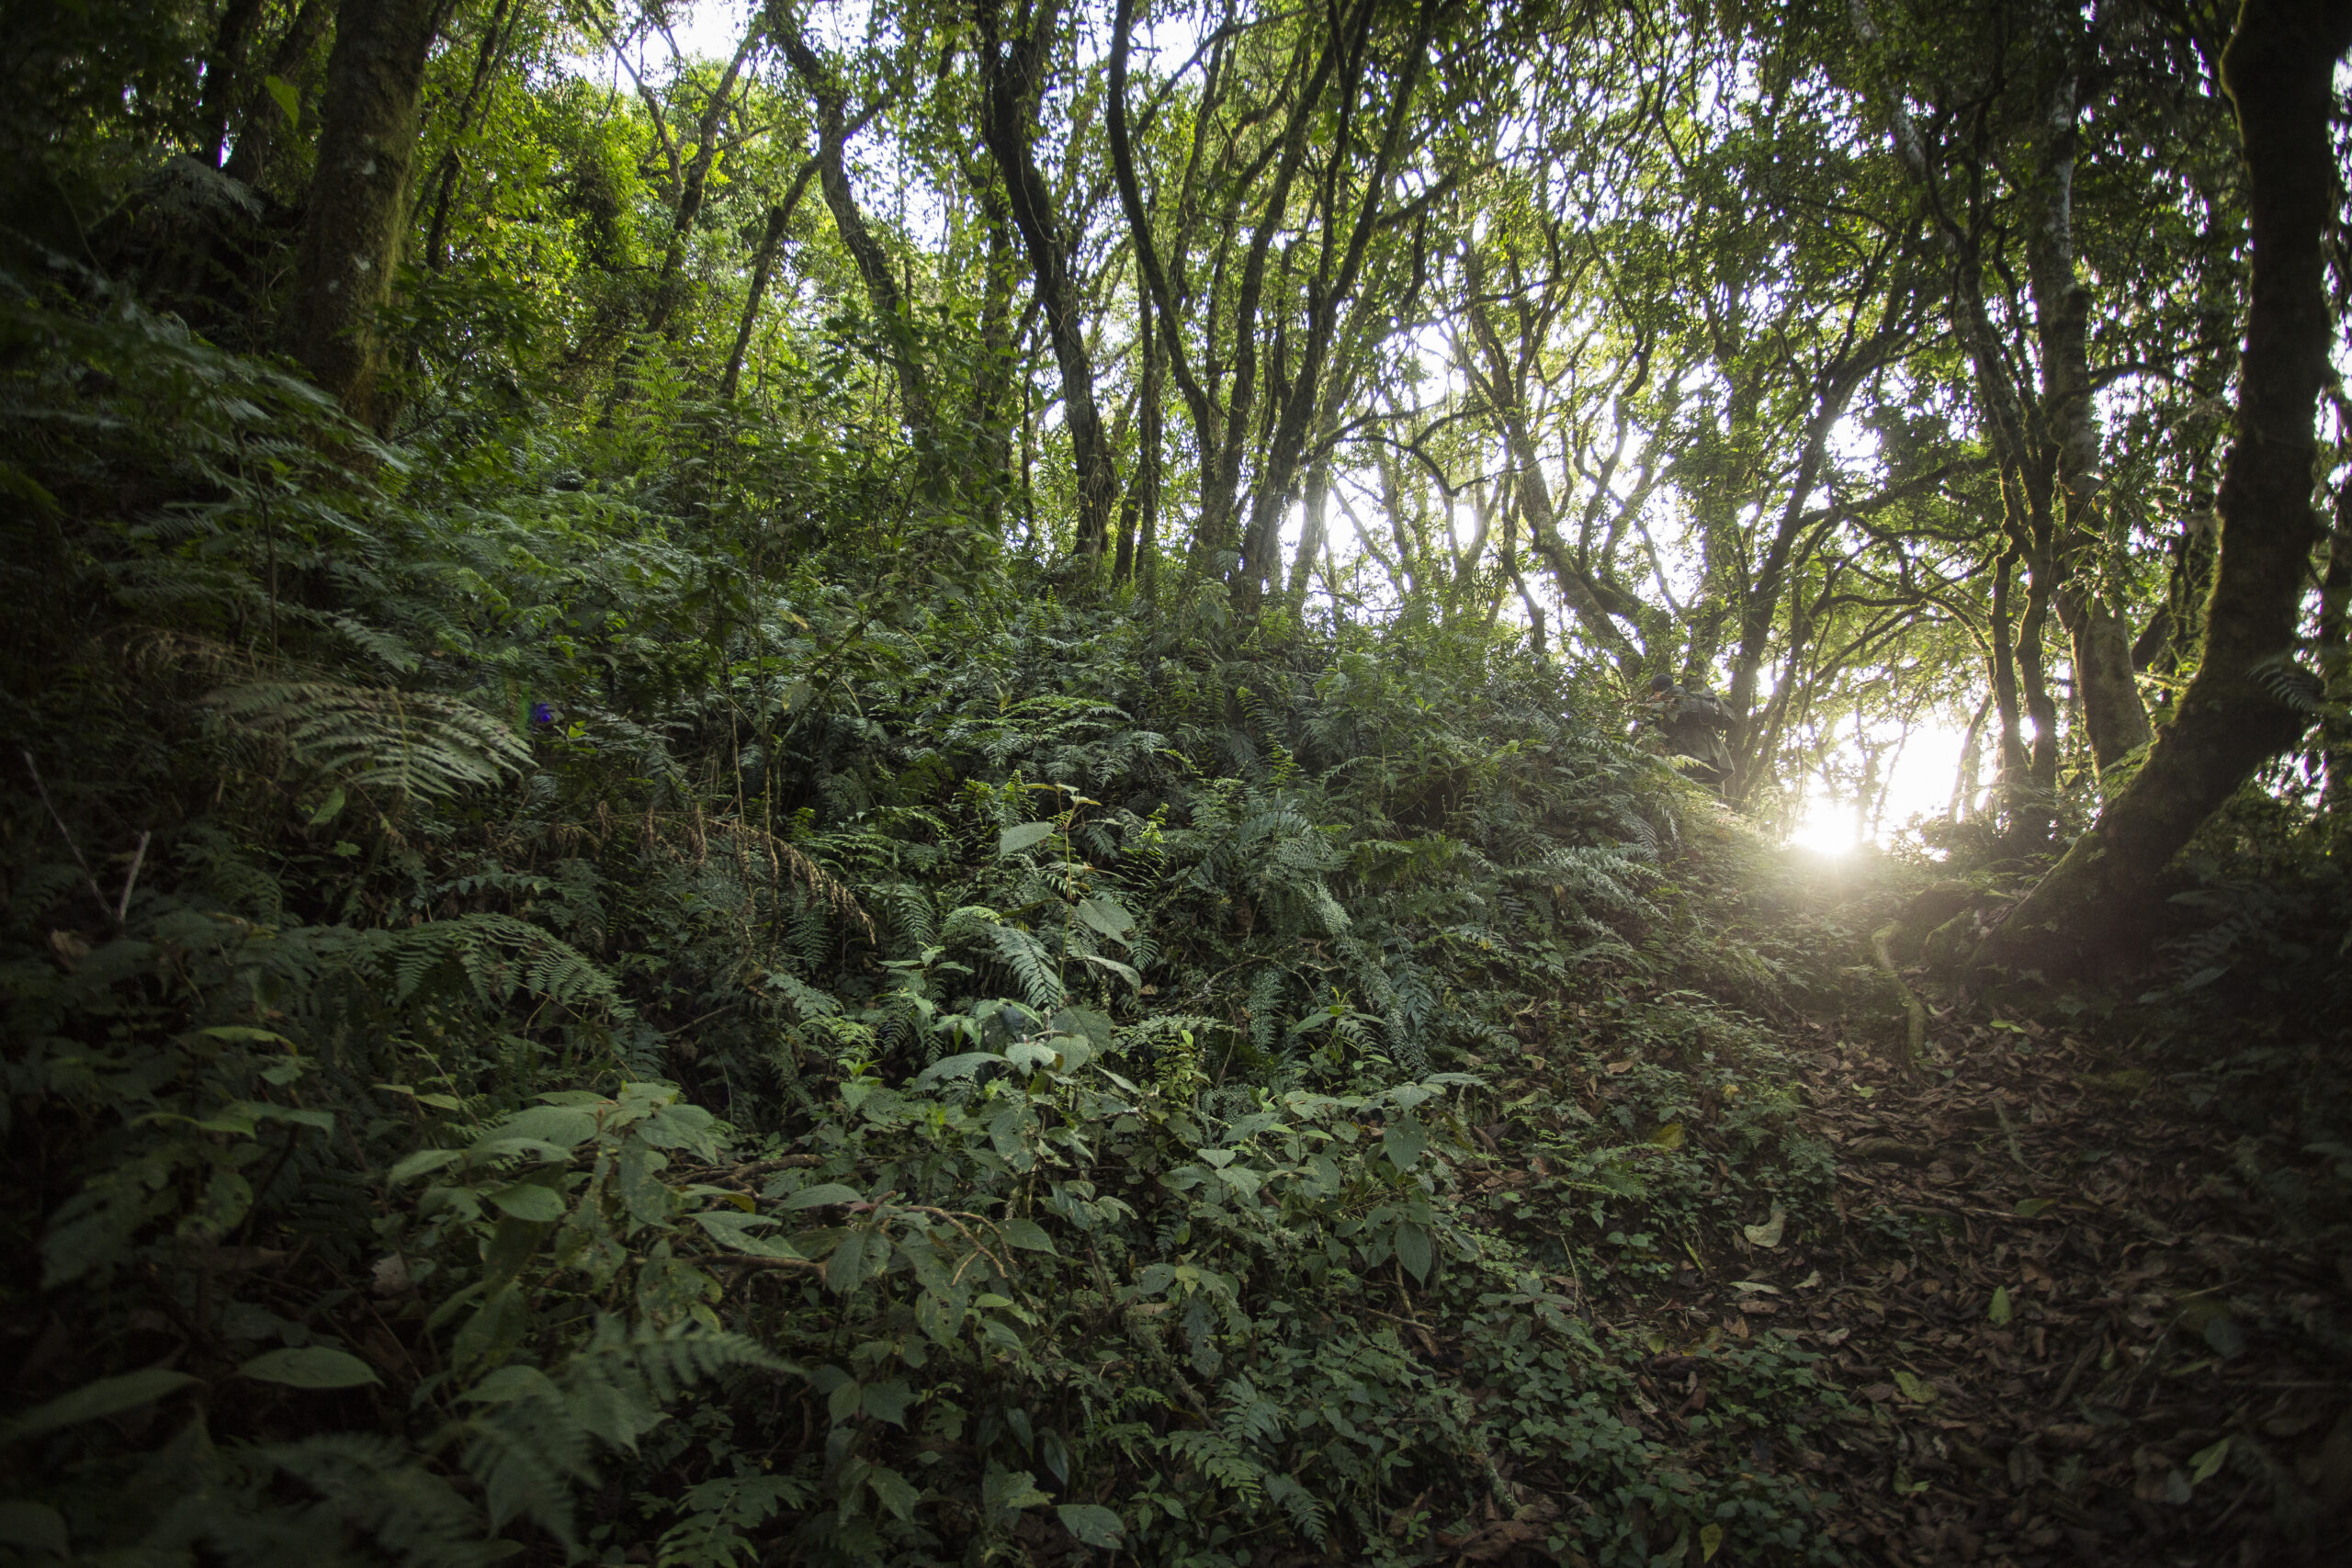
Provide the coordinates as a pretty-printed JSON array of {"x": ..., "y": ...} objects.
[
  {"x": 375, "y": 1486},
  {"x": 532, "y": 1445},
  {"x": 1218, "y": 1459},
  {"x": 1033, "y": 966},
  {"x": 415, "y": 744},
  {"x": 497, "y": 955}
]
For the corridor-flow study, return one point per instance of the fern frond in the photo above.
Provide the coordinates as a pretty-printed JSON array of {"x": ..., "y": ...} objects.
[{"x": 419, "y": 744}]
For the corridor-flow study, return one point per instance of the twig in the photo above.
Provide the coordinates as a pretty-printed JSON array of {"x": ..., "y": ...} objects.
[
  {"x": 2075, "y": 1371},
  {"x": 67, "y": 834},
  {"x": 137, "y": 859}
]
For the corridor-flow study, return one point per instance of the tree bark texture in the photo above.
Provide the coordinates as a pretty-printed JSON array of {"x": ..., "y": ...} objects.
[
  {"x": 1011, "y": 76},
  {"x": 358, "y": 210},
  {"x": 2278, "y": 71}
]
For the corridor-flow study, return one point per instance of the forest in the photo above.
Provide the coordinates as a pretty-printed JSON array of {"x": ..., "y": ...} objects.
[{"x": 833, "y": 781}]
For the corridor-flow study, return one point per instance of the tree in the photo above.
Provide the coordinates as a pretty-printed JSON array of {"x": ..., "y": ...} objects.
[
  {"x": 355, "y": 222},
  {"x": 2249, "y": 701}
]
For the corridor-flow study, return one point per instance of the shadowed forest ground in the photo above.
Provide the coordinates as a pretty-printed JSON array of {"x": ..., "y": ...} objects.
[{"x": 2071, "y": 1317}]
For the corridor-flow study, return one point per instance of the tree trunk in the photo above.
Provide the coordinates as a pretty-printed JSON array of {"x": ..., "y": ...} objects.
[
  {"x": 2099, "y": 639},
  {"x": 358, "y": 202},
  {"x": 669, "y": 288},
  {"x": 2278, "y": 71},
  {"x": 1012, "y": 79},
  {"x": 763, "y": 269},
  {"x": 2336, "y": 663},
  {"x": 834, "y": 128}
]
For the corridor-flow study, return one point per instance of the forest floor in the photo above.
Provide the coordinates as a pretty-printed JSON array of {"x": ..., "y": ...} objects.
[{"x": 2070, "y": 1330}]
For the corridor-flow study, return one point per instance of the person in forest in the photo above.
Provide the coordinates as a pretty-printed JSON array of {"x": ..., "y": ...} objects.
[{"x": 1692, "y": 722}]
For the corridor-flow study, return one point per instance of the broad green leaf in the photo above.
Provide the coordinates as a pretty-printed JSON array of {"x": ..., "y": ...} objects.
[
  {"x": 1125, "y": 972},
  {"x": 508, "y": 1384},
  {"x": 2028, "y": 1207},
  {"x": 1413, "y": 1249},
  {"x": 422, "y": 1161},
  {"x": 1711, "y": 1541},
  {"x": 887, "y": 1402},
  {"x": 107, "y": 1396},
  {"x": 1026, "y": 836},
  {"x": 897, "y": 1493},
  {"x": 34, "y": 1526},
  {"x": 1915, "y": 1389},
  {"x": 2001, "y": 1311},
  {"x": 529, "y": 1201},
  {"x": 1027, "y": 1234},
  {"x": 847, "y": 1398},
  {"x": 2205, "y": 1460},
  {"x": 332, "y": 806},
  {"x": 733, "y": 1231},
  {"x": 846, "y": 1268},
  {"x": 1404, "y": 1140},
  {"x": 1093, "y": 1525},
  {"x": 289, "y": 99},
  {"x": 562, "y": 1125},
  {"x": 824, "y": 1192},
  {"x": 312, "y": 1366},
  {"x": 1669, "y": 1137},
  {"x": 1105, "y": 915}
]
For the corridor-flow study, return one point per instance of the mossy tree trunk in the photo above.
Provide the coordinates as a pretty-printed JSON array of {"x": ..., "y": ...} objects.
[
  {"x": 357, "y": 212},
  {"x": 2278, "y": 71}
]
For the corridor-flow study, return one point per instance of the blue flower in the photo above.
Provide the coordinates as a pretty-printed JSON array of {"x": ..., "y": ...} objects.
[{"x": 542, "y": 714}]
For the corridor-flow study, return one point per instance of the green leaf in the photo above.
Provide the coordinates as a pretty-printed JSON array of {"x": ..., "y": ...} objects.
[
  {"x": 1123, "y": 971},
  {"x": 2205, "y": 1460},
  {"x": 1711, "y": 1541},
  {"x": 887, "y": 1402},
  {"x": 562, "y": 1125},
  {"x": 529, "y": 1201},
  {"x": 1027, "y": 1234},
  {"x": 422, "y": 1162},
  {"x": 2222, "y": 1333},
  {"x": 824, "y": 1192},
  {"x": 1669, "y": 1137},
  {"x": 1413, "y": 1249},
  {"x": 2028, "y": 1207},
  {"x": 733, "y": 1231},
  {"x": 1093, "y": 1525},
  {"x": 1404, "y": 1141},
  {"x": 34, "y": 1526},
  {"x": 107, "y": 1396},
  {"x": 1915, "y": 1389},
  {"x": 313, "y": 1366},
  {"x": 846, "y": 1268},
  {"x": 1105, "y": 916},
  {"x": 289, "y": 104},
  {"x": 2001, "y": 1313},
  {"x": 1023, "y": 837},
  {"x": 897, "y": 1493},
  {"x": 331, "y": 808}
]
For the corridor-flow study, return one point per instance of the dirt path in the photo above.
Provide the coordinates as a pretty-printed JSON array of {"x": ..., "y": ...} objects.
[{"x": 2074, "y": 1336}]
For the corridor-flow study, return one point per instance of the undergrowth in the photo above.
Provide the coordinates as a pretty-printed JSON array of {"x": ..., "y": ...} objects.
[{"x": 572, "y": 999}]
